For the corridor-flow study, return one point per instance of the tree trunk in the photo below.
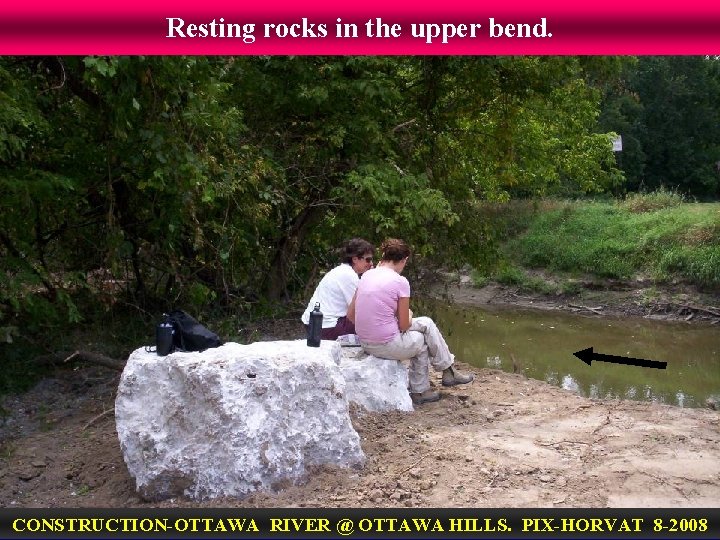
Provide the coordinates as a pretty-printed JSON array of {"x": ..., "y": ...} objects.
[{"x": 276, "y": 282}]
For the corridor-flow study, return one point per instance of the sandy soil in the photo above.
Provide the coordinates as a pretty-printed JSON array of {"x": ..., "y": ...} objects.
[{"x": 502, "y": 441}]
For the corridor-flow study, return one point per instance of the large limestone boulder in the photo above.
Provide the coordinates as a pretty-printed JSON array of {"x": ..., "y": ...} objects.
[
  {"x": 235, "y": 419},
  {"x": 375, "y": 384}
]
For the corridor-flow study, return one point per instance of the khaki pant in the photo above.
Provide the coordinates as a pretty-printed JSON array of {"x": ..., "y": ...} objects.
[{"x": 423, "y": 344}]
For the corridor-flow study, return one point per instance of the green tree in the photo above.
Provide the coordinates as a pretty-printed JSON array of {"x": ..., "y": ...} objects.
[
  {"x": 203, "y": 181},
  {"x": 668, "y": 113}
]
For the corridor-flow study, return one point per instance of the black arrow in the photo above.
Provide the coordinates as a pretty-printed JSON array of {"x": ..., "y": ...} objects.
[{"x": 587, "y": 356}]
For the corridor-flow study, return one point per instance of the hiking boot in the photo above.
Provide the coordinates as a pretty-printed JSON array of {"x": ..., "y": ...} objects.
[
  {"x": 428, "y": 396},
  {"x": 450, "y": 377}
]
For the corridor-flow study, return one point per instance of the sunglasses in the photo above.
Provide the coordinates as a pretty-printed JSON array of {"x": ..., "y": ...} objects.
[{"x": 368, "y": 259}]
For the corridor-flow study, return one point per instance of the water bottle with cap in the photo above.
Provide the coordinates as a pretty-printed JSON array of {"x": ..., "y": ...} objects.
[
  {"x": 164, "y": 338},
  {"x": 315, "y": 326}
]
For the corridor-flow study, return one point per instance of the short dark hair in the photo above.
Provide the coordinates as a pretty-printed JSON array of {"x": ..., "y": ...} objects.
[
  {"x": 394, "y": 249},
  {"x": 356, "y": 247}
]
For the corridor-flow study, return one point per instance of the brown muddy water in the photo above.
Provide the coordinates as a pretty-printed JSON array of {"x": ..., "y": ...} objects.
[{"x": 541, "y": 345}]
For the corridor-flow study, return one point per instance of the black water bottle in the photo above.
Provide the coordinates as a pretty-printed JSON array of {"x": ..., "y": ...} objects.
[
  {"x": 164, "y": 338},
  {"x": 315, "y": 326}
]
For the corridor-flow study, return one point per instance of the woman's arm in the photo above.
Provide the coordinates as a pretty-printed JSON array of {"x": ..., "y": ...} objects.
[
  {"x": 351, "y": 309},
  {"x": 404, "y": 314}
]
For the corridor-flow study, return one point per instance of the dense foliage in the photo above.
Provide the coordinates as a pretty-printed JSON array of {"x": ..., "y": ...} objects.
[
  {"x": 204, "y": 180},
  {"x": 667, "y": 110},
  {"x": 212, "y": 181}
]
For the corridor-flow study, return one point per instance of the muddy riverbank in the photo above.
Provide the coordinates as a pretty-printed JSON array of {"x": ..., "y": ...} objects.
[
  {"x": 639, "y": 298},
  {"x": 502, "y": 441}
]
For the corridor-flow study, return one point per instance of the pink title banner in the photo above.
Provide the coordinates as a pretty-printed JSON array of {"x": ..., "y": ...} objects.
[{"x": 368, "y": 27}]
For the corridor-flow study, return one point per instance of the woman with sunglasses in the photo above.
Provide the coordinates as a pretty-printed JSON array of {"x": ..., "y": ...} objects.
[
  {"x": 337, "y": 287},
  {"x": 386, "y": 327}
]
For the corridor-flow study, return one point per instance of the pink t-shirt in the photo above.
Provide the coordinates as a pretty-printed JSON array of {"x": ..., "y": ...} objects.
[{"x": 376, "y": 304}]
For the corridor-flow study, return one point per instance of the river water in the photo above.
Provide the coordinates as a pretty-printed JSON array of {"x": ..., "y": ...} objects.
[{"x": 541, "y": 344}]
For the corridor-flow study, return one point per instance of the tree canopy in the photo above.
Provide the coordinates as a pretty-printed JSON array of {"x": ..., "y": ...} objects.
[
  {"x": 668, "y": 111},
  {"x": 224, "y": 181}
]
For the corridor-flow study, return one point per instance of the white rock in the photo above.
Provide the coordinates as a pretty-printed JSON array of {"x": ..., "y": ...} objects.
[
  {"x": 376, "y": 384},
  {"x": 232, "y": 420}
]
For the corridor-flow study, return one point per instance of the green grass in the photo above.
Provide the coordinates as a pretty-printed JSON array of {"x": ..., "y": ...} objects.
[
  {"x": 509, "y": 274},
  {"x": 678, "y": 241}
]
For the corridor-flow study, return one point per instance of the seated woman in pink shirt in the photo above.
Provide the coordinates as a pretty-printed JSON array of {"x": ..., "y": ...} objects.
[{"x": 386, "y": 328}]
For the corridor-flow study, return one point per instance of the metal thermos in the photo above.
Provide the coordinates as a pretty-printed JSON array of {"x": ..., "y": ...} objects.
[
  {"x": 315, "y": 326},
  {"x": 164, "y": 338}
]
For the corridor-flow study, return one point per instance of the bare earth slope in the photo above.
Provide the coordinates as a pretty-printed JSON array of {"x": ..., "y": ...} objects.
[{"x": 502, "y": 441}]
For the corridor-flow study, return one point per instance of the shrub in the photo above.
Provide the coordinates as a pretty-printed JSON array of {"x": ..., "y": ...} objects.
[
  {"x": 479, "y": 279},
  {"x": 650, "y": 202},
  {"x": 509, "y": 275}
]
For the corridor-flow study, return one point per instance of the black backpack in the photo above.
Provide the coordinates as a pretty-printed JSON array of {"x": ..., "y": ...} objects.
[{"x": 190, "y": 335}]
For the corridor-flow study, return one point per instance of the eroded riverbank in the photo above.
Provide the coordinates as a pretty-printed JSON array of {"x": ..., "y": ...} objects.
[{"x": 671, "y": 302}]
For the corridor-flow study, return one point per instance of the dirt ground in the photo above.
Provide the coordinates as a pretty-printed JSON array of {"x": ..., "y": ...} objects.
[{"x": 501, "y": 441}]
